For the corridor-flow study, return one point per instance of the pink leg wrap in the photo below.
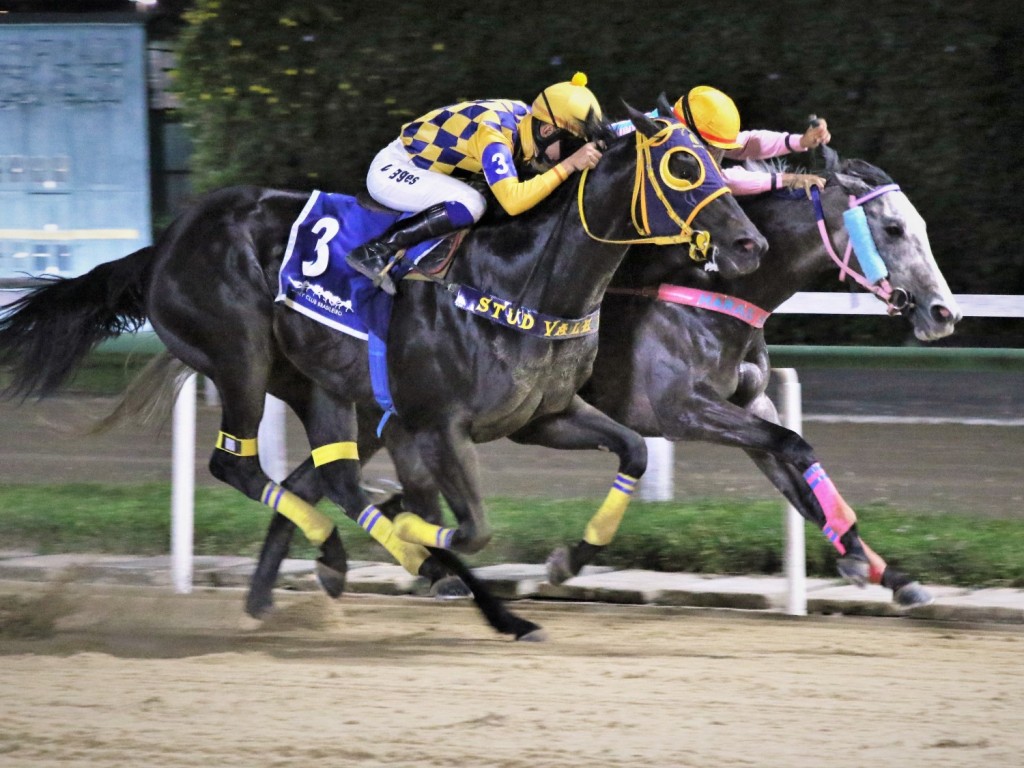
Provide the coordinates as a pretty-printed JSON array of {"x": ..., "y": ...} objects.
[{"x": 836, "y": 521}]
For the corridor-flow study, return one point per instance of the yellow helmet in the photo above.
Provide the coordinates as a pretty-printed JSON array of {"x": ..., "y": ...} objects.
[
  {"x": 567, "y": 105},
  {"x": 711, "y": 114}
]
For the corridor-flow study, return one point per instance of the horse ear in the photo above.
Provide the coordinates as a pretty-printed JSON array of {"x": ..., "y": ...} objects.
[
  {"x": 664, "y": 108},
  {"x": 643, "y": 123},
  {"x": 831, "y": 158}
]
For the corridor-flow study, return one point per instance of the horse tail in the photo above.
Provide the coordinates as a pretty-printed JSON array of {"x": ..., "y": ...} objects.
[
  {"x": 149, "y": 397},
  {"x": 45, "y": 334}
]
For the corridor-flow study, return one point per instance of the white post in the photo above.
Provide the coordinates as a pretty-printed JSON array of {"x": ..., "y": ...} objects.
[
  {"x": 210, "y": 394},
  {"x": 657, "y": 483},
  {"x": 183, "y": 482},
  {"x": 271, "y": 437},
  {"x": 791, "y": 416}
]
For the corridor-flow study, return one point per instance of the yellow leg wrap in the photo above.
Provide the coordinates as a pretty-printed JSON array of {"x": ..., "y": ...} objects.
[
  {"x": 409, "y": 556},
  {"x": 311, "y": 521},
  {"x": 237, "y": 446},
  {"x": 605, "y": 522},
  {"x": 325, "y": 454},
  {"x": 414, "y": 529}
]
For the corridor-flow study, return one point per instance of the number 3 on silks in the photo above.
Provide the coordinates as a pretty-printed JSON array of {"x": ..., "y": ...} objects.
[
  {"x": 326, "y": 228},
  {"x": 498, "y": 163}
]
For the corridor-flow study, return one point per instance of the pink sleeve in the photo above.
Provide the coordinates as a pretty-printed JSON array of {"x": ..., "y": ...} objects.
[
  {"x": 744, "y": 182},
  {"x": 758, "y": 145}
]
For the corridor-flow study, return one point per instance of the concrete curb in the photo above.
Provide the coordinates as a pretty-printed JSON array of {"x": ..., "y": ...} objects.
[{"x": 527, "y": 581}]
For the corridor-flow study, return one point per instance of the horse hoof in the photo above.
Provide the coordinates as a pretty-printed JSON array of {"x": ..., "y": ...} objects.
[
  {"x": 854, "y": 570},
  {"x": 537, "y": 635},
  {"x": 332, "y": 565},
  {"x": 258, "y": 605},
  {"x": 450, "y": 588},
  {"x": 913, "y": 595},
  {"x": 558, "y": 566},
  {"x": 331, "y": 581}
]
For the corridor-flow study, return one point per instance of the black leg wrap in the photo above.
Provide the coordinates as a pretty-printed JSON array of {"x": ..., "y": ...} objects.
[
  {"x": 893, "y": 579},
  {"x": 566, "y": 562},
  {"x": 853, "y": 566},
  {"x": 583, "y": 554}
]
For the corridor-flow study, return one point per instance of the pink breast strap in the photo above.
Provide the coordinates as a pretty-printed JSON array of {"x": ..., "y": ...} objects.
[{"x": 749, "y": 313}]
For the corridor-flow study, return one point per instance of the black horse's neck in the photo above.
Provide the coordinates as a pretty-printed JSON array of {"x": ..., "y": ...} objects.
[{"x": 543, "y": 259}]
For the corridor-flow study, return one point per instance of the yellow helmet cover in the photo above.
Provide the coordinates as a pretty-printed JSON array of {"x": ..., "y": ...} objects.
[
  {"x": 712, "y": 114},
  {"x": 567, "y": 105}
]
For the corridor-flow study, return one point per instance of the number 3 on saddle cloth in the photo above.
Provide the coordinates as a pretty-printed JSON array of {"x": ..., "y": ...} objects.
[{"x": 315, "y": 280}]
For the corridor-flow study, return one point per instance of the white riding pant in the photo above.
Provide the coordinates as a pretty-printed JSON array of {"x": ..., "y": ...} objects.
[{"x": 395, "y": 181}]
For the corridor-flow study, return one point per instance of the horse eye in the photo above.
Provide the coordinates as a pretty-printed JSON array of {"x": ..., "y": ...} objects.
[
  {"x": 893, "y": 229},
  {"x": 684, "y": 167}
]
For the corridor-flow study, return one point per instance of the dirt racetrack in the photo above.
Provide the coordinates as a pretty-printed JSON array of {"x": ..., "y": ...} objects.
[
  {"x": 129, "y": 677},
  {"x": 107, "y": 676}
]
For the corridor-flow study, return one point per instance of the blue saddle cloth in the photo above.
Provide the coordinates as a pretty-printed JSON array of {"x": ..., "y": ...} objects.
[
  {"x": 316, "y": 281},
  {"x": 314, "y": 278}
]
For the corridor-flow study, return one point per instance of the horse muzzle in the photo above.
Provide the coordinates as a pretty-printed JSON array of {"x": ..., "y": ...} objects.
[{"x": 741, "y": 256}]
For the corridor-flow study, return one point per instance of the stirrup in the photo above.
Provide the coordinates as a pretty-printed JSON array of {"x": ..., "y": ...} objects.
[{"x": 372, "y": 266}]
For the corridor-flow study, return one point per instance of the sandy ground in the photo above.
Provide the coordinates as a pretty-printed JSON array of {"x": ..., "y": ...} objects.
[{"x": 108, "y": 676}]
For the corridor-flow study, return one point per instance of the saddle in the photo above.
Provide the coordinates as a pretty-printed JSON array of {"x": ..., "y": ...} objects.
[{"x": 437, "y": 253}]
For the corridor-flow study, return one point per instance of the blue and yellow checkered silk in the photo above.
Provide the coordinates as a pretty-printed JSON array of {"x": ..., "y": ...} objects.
[{"x": 451, "y": 140}]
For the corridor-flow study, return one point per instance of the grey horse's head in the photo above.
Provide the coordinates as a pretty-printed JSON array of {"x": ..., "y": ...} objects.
[{"x": 901, "y": 237}]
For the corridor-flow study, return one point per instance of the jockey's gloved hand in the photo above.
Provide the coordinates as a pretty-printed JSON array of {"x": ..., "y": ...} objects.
[
  {"x": 583, "y": 158},
  {"x": 803, "y": 181},
  {"x": 816, "y": 134}
]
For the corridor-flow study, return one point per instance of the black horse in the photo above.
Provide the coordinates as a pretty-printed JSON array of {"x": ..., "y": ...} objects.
[
  {"x": 682, "y": 352},
  {"x": 208, "y": 289}
]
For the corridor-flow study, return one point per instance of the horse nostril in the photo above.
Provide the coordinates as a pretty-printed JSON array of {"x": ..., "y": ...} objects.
[
  {"x": 746, "y": 244},
  {"x": 941, "y": 314}
]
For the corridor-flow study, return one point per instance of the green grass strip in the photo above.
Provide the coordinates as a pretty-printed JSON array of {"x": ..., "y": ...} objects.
[{"x": 708, "y": 536}]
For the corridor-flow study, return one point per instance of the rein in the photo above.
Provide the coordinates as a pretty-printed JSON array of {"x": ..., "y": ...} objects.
[
  {"x": 751, "y": 314},
  {"x": 896, "y": 299},
  {"x": 645, "y": 179}
]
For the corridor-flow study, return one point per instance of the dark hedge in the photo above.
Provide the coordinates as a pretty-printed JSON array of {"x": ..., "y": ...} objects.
[{"x": 302, "y": 93}]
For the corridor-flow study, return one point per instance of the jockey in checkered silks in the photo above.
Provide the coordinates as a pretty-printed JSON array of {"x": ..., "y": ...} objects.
[{"x": 425, "y": 170}]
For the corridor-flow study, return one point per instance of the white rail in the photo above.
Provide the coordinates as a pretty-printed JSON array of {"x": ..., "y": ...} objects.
[{"x": 971, "y": 304}]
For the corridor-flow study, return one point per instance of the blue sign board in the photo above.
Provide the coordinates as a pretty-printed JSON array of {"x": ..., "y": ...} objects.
[{"x": 74, "y": 146}]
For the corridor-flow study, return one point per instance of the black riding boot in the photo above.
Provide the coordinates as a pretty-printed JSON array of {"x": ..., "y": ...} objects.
[{"x": 373, "y": 256}]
